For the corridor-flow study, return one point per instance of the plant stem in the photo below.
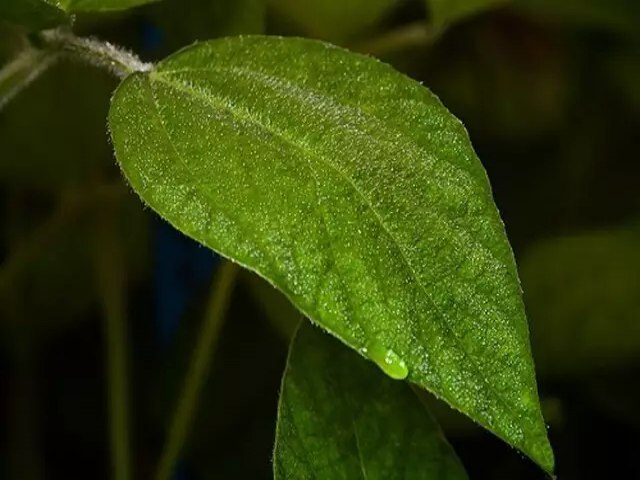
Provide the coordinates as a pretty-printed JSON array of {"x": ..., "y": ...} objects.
[
  {"x": 111, "y": 284},
  {"x": 101, "y": 54},
  {"x": 196, "y": 376}
]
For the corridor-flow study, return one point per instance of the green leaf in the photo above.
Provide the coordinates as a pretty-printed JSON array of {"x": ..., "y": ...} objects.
[
  {"x": 444, "y": 12},
  {"x": 32, "y": 14},
  {"x": 339, "y": 418},
  {"x": 334, "y": 20},
  {"x": 354, "y": 191},
  {"x": 583, "y": 291}
]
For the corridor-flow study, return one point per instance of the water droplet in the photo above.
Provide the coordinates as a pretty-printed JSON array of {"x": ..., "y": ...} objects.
[{"x": 389, "y": 361}]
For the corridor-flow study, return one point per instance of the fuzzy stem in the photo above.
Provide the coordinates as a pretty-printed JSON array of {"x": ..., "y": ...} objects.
[{"x": 101, "y": 54}]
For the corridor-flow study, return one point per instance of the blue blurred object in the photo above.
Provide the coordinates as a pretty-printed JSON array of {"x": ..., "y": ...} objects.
[
  {"x": 152, "y": 38},
  {"x": 182, "y": 268}
]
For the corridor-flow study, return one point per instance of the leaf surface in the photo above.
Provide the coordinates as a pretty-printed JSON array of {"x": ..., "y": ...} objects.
[
  {"x": 339, "y": 418},
  {"x": 354, "y": 191}
]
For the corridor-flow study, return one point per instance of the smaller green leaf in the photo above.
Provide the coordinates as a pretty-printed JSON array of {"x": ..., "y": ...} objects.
[
  {"x": 340, "y": 418},
  {"x": 444, "y": 12},
  {"x": 333, "y": 19},
  {"x": 32, "y": 14}
]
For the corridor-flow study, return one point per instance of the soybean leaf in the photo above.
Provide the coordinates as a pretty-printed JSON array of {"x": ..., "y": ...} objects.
[
  {"x": 583, "y": 291},
  {"x": 445, "y": 12},
  {"x": 334, "y": 20},
  {"x": 339, "y": 418},
  {"x": 32, "y": 14},
  {"x": 354, "y": 191}
]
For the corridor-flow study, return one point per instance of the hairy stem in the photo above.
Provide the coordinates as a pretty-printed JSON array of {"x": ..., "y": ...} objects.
[
  {"x": 101, "y": 54},
  {"x": 183, "y": 417}
]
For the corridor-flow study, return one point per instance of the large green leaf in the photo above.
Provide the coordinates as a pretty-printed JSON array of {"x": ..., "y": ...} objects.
[
  {"x": 334, "y": 20},
  {"x": 583, "y": 291},
  {"x": 445, "y": 12},
  {"x": 354, "y": 191},
  {"x": 339, "y": 418},
  {"x": 32, "y": 14}
]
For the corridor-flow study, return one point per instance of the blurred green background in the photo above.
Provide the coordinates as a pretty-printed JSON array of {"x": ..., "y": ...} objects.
[{"x": 550, "y": 93}]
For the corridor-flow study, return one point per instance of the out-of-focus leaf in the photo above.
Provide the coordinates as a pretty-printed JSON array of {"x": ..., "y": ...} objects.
[
  {"x": 207, "y": 19},
  {"x": 444, "y": 12},
  {"x": 75, "y": 6},
  {"x": 353, "y": 190},
  {"x": 41, "y": 14},
  {"x": 334, "y": 20},
  {"x": 53, "y": 134},
  {"x": 21, "y": 71},
  {"x": 339, "y": 418},
  {"x": 32, "y": 14},
  {"x": 615, "y": 15},
  {"x": 583, "y": 297}
]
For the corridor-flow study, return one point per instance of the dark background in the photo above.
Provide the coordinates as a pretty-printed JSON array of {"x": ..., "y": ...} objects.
[{"x": 550, "y": 93}]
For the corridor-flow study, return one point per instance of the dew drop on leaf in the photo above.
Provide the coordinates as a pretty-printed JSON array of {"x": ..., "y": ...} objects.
[{"x": 389, "y": 361}]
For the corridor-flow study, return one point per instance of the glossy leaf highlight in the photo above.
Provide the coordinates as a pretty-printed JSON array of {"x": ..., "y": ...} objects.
[{"x": 353, "y": 190}]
